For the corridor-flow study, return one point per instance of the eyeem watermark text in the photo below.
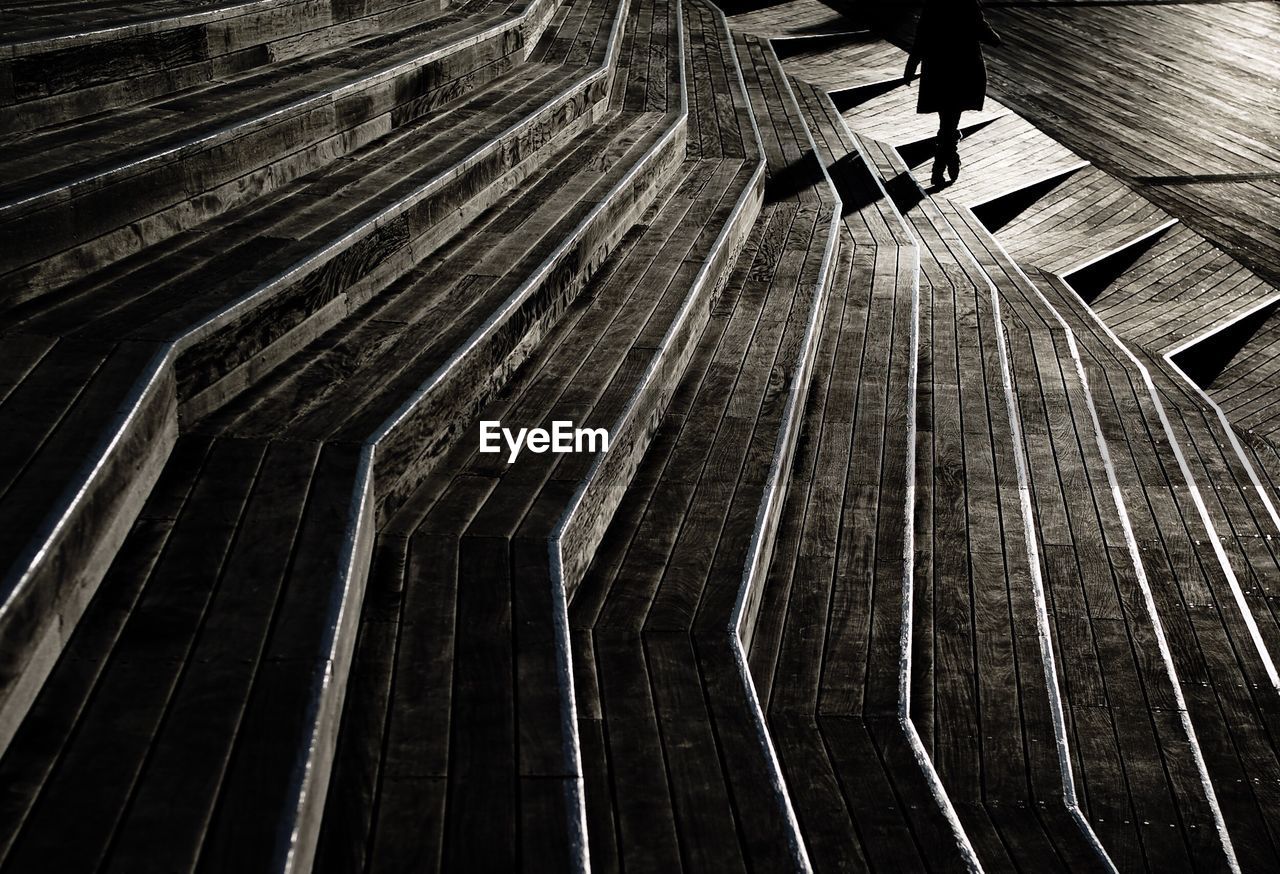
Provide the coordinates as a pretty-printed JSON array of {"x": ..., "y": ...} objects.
[{"x": 562, "y": 437}]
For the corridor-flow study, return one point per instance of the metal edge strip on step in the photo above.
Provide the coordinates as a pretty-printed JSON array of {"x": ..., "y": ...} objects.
[
  {"x": 65, "y": 191},
  {"x": 760, "y": 549},
  {"x": 918, "y": 750},
  {"x": 20, "y": 575},
  {"x": 1223, "y": 420},
  {"x": 30, "y": 561},
  {"x": 295, "y": 854},
  {"x": 1044, "y": 628},
  {"x": 59, "y": 42},
  {"x": 1131, "y": 543},
  {"x": 1193, "y": 491}
]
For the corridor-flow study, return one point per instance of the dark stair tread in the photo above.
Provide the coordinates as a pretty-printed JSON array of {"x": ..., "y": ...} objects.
[
  {"x": 243, "y": 643},
  {"x": 32, "y": 21},
  {"x": 587, "y": 370},
  {"x": 118, "y": 144},
  {"x": 968, "y": 446},
  {"x": 362, "y": 371},
  {"x": 832, "y": 695},
  {"x": 149, "y": 293},
  {"x": 46, "y": 422},
  {"x": 207, "y": 622},
  {"x": 681, "y": 579},
  {"x": 196, "y": 622},
  {"x": 91, "y": 68},
  {"x": 78, "y": 408},
  {"x": 1211, "y": 646},
  {"x": 90, "y": 439},
  {"x": 671, "y": 735},
  {"x": 1102, "y": 661}
]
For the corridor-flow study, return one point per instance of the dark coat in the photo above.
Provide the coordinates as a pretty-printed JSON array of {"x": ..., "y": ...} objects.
[{"x": 949, "y": 46}]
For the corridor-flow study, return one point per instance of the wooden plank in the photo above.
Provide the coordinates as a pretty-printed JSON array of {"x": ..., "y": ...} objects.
[
  {"x": 151, "y": 650},
  {"x": 1111, "y": 115},
  {"x": 171, "y": 807}
]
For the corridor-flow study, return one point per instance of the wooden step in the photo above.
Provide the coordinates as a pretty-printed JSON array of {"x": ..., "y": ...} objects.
[
  {"x": 675, "y": 745},
  {"x": 105, "y": 62},
  {"x": 1011, "y": 785},
  {"x": 1195, "y": 496},
  {"x": 667, "y": 711},
  {"x": 444, "y": 557},
  {"x": 261, "y": 579},
  {"x": 1162, "y": 290},
  {"x": 451, "y": 331},
  {"x": 460, "y": 542},
  {"x": 1102, "y": 630},
  {"x": 473, "y": 572},
  {"x": 828, "y": 656},
  {"x": 1237, "y": 367},
  {"x": 400, "y": 200},
  {"x": 130, "y": 743},
  {"x": 138, "y": 349},
  {"x": 1137, "y": 759},
  {"x": 1191, "y": 525},
  {"x": 1194, "y": 513},
  {"x": 1201, "y": 518},
  {"x": 86, "y": 195},
  {"x": 497, "y": 524},
  {"x": 855, "y": 60},
  {"x": 1066, "y": 221},
  {"x": 32, "y": 22}
]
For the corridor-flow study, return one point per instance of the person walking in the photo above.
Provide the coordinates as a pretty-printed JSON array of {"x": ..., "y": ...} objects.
[{"x": 948, "y": 43}]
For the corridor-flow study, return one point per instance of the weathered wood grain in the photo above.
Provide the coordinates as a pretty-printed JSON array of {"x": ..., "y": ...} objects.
[{"x": 165, "y": 155}]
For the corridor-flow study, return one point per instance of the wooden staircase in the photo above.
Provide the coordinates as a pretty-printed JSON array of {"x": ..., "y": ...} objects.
[{"x": 919, "y": 543}]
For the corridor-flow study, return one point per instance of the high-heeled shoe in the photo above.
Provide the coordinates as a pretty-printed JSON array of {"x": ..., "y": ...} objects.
[{"x": 937, "y": 179}]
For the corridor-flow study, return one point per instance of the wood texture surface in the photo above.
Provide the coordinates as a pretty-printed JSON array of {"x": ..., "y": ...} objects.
[{"x": 937, "y": 529}]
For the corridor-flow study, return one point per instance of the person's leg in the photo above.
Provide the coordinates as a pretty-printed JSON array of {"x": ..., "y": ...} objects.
[
  {"x": 940, "y": 153},
  {"x": 945, "y": 145},
  {"x": 949, "y": 133}
]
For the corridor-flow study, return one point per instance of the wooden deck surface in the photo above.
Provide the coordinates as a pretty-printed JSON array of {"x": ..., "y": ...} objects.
[
  {"x": 1070, "y": 218},
  {"x": 1247, "y": 387},
  {"x": 1177, "y": 287},
  {"x": 978, "y": 590},
  {"x": 1177, "y": 99},
  {"x": 469, "y": 552},
  {"x": 793, "y": 19},
  {"x": 224, "y": 306},
  {"x": 1201, "y": 436},
  {"x": 1079, "y": 213},
  {"x": 25, "y": 20},
  {"x": 1173, "y": 98},
  {"x": 938, "y": 530},
  {"x": 851, "y": 61},
  {"x": 827, "y": 657},
  {"x": 1206, "y": 447},
  {"x": 695, "y": 788},
  {"x": 243, "y": 634}
]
